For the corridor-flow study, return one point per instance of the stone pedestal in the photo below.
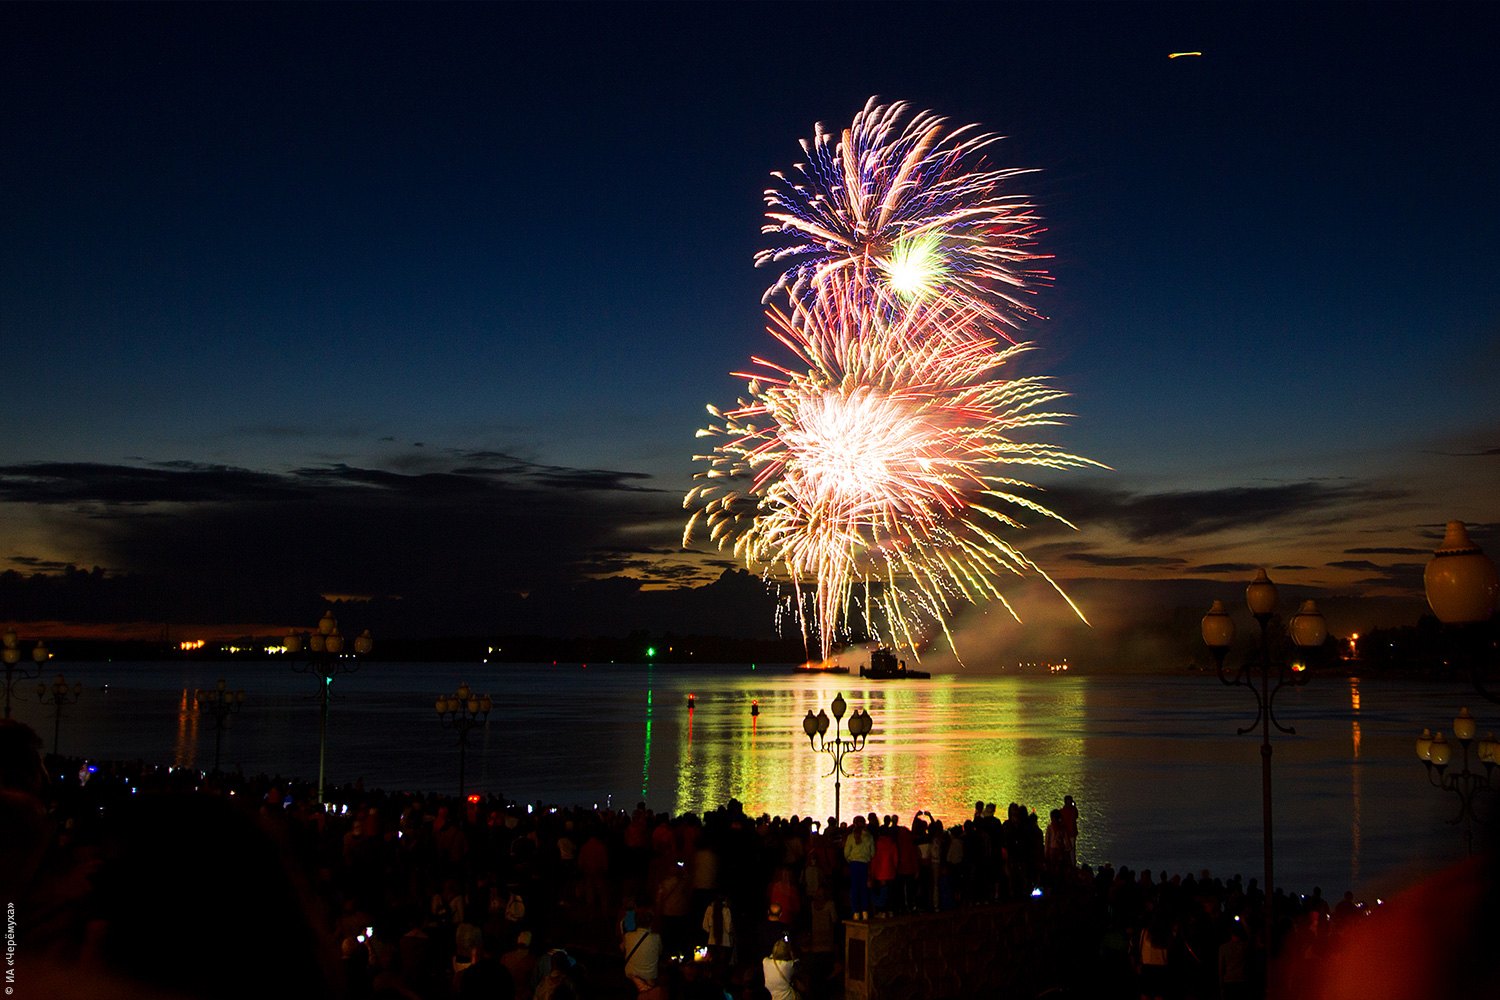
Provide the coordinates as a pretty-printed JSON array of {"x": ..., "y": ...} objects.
[{"x": 1006, "y": 949}]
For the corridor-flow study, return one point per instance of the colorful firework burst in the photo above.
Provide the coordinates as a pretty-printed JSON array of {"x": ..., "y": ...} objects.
[
  {"x": 882, "y": 460},
  {"x": 911, "y": 209},
  {"x": 878, "y": 464}
]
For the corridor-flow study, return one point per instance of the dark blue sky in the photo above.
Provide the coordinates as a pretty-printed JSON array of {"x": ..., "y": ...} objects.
[{"x": 427, "y": 300}]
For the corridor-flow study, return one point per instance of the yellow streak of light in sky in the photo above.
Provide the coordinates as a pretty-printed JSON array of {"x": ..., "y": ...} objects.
[{"x": 1179, "y": 55}]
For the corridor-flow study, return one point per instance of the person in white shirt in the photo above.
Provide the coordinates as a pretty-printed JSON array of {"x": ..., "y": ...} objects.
[
  {"x": 642, "y": 950},
  {"x": 779, "y": 970}
]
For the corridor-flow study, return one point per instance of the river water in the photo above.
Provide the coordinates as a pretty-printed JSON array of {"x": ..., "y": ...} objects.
[{"x": 1160, "y": 777}]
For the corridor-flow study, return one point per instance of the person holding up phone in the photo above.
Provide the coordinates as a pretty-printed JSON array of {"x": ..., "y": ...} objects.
[{"x": 779, "y": 970}]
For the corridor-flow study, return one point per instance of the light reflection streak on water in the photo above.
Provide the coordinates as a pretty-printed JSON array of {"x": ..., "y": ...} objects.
[
  {"x": 1138, "y": 752},
  {"x": 930, "y": 749},
  {"x": 185, "y": 750},
  {"x": 1356, "y": 805},
  {"x": 646, "y": 751},
  {"x": 721, "y": 763}
]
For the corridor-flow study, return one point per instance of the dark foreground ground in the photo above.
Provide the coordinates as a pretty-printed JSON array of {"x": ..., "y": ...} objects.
[{"x": 134, "y": 880}]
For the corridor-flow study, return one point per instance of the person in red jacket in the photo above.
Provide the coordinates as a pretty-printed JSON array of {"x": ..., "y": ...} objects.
[
  {"x": 785, "y": 896},
  {"x": 908, "y": 867},
  {"x": 883, "y": 870}
]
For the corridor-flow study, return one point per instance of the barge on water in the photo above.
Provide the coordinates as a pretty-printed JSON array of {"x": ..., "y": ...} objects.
[
  {"x": 885, "y": 667},
  {"x": 825, "y": 667}
]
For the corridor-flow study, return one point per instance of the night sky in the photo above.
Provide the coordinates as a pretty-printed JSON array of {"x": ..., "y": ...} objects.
[{"x": 424, "y": 303}]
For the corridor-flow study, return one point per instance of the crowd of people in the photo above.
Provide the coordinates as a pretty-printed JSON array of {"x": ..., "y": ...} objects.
[{"x": 167, "y": 879}]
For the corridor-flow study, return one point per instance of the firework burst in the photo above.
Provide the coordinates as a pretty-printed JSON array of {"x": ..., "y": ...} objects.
[
  {"x": 909, "y": 208},
  {"x": 885, "y": 454},
  {"x": 876, "y": 463}
]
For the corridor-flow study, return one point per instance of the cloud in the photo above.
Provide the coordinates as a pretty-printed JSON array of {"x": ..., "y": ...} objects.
[
  {"x": 1223, "y": 567},
  {"x": 1478, "y": 453},
  {"x": 174, "y": 482},
  {"x": 210, "y": 542},
  {"x": 1094, "y": 559},
  {"x": 486, "y": 541},
  {"x": 1157, "y": 517},
  {"x": 1405, "y": 576},
  {"x": 487, "y": 463},
  {"x": 37, "y": 564}
]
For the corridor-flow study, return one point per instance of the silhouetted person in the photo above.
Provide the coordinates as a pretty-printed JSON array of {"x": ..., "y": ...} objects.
[
  {"x": 194, "y": 897},
  {"x": 1233, "y": 962},
  {"x": 47, "y": 882},
  {"x": 520, "y": 962},
  {"x": 24, "y": 827},
  {"x": 1070, "y": 830},
  {"x": 21, "y": 767},
  {"x": 485, "y": 978}
]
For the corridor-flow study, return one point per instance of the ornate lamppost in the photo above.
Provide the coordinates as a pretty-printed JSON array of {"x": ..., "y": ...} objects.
[
  {"x": 60, "y": 695},
  {"x": 222, "y": 705},
  {"x": 463, "y": 710},
  {"x": 816, "y": 728},
  {"x": 326, "y": 660},
  {"x": 14, "y": 673},
  {"x": 1435, "y": 752},
  {"x": 1308, "y": 631},
  {"x": 1462, "y": 588}
]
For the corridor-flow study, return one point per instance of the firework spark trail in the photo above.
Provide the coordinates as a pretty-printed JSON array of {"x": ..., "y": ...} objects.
[
  {"x": 880, "y": 456},
  {"x": 909, "y": 209}
]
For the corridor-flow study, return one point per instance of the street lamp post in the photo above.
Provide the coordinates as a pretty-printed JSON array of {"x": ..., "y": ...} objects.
[
  {"x": 1308, "y": 631},
  {"x": 14, "y": 673},
  {"x": 222, "y": 705},
  {"x": 1462, "y": 587},
  {"x": 326, "y": 660},
  {"x": 59, "y": 694},
  {"x": 463, "y": 710},
  {"x": 816, "y": 728},
  {"x": 1435, "y": 752}
]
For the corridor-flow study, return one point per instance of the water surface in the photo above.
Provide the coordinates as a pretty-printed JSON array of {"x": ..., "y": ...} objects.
[{"x": 1160, "y": 777}]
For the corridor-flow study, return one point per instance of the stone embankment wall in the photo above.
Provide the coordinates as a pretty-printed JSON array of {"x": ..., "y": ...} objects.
[{"x": 1010, "y": 949}]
